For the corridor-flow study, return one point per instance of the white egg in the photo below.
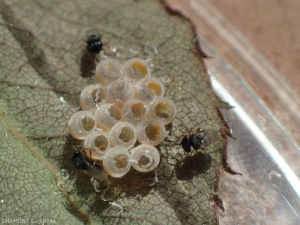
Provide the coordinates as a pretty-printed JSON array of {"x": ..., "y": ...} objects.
[{"x": 144, "y": 158}]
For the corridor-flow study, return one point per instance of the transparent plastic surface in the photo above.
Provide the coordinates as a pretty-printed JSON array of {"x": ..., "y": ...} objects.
[{"x": 268, "y": 192}]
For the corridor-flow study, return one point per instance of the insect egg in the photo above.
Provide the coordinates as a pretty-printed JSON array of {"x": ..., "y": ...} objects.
[
  {"x": 96, "y": 144},
  {"x": 91, "y": 96},
  {"x": 149, "y": 88},
  {"x": 135, "y": 69},
  {"x": 116, "y": 161},
  {"x": 163, "y": 109},
  {"x": 107, "y": 71},
  {"x": 119, "y": 92},
  {"x": 144, "y": 158},
  {"x": 151, "y": 131},
  {"x": 81, "y": 124},
  {"x": 107, "y": 115},
  {"x": 134, "y": 111},
  {"x": 123, "y": 134}
]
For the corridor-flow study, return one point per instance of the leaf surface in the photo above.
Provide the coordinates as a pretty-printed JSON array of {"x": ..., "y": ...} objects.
[{"x": 42, "y": 74}]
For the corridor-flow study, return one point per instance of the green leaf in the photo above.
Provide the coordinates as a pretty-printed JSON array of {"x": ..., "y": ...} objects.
[{"x": 40, "y": 66}]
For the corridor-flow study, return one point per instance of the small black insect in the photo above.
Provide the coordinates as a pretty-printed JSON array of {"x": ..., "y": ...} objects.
[
  {"x": 87, "y": 166},
  {"x": 79, "y": 161},
  {"x": 94, "y": 44},
  {"x": 199, "y": 139}
]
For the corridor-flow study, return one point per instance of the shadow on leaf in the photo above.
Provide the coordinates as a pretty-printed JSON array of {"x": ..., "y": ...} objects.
[
  {"x": 193, "y": 165},
  {"x": 87, "y": 64}
]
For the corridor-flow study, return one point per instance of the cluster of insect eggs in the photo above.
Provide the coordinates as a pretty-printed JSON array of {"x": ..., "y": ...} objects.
[{"x": 125, "y": 106}]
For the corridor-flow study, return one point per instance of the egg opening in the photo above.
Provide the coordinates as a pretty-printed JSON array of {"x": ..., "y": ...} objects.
[
  {"x": 139, "y": 69},
  {"x": 136, "y": 69},
  {"x": 81, "y": 124},
  {"x": 91, "y": 96},
  {"x": 116, "y": 162},
  {"x": 107, "y": 115},
  {"x": 134, "y": 111},
  {"x": 163, "y": 109},
  {"x": 151, "y": 131},
  {"x": 107, "y": 71},
  {"x": 123, "y": 134},
  {"x": 96, "y": 144},
  {"x": 138, "y": 109},
  {"x": 148, "y": 89},
  {"x": 120, "y": 92},
  {"x": 144, "y": 158}
]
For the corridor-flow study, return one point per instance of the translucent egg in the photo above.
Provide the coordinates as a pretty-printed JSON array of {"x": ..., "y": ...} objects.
[
  {"x": 96, "y": 144},
  {"x": 123, "y": 134},
  {"x": 134, "y": 111},
  {"x": 136, "y": 69},
  {"x": 144, "y": 158},
  {"x": 81, "y": 124},
  {"x": 91, "y": 96},
  {"x": 108, "y": 70},
  {"x": 116, "y": 161},
  {"x": 107, "y": 115},
  {"x": 163, "y": 109},
  {"x": 120, "y": 92},
  {"x": 148, "y": 89},
  {"x": 151, "y": 131}
]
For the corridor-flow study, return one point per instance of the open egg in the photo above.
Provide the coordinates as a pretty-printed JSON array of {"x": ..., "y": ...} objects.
[
  {"x": 134, "y": 111},
  {"x": 108, "y": 70},
  {"x": 123, "y": 134},
  {"x": 116, "y": 161},
  {"x": 148, "y": 89},
  {"x": 135, "y": 69},
  {"x": 107, "y": 115},
  {"x": 92, "y": 95},
  {"x": 96, "y": 144},
  {"x": 151, "y": 131},
  {"x": 144, "y": 158},
  {"x": 81, "y": 124},
  {"x": 120, "y": 92},
  {"x": 163, "y": 109}
]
